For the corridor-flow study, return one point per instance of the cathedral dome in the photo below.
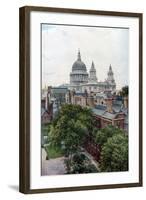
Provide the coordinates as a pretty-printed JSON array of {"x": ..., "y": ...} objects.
[
  {"x": 79, "y": 73},
  {"x": 78, "y": 64}
]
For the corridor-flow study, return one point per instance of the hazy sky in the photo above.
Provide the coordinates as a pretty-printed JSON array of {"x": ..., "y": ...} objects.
[{"x": 104, "y": 46}]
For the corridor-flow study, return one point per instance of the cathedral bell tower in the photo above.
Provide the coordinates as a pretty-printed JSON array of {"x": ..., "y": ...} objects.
[
  {"x": 110, "y": 75},
  {"x": 92, "y": 76},
  {"x": 110, "y": 79}
]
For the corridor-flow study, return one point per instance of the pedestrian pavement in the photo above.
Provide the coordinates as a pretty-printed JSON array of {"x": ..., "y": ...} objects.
[{"x": 53, "y": 166}]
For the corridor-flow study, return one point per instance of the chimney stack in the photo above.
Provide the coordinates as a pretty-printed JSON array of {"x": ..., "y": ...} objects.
[
  {"x": 125, "y": 102},
  {"x": 72, "y": 95},
  {"x": 48, "y": 98},
  {"x": 90, "y": 100},
  {"x": 109, "y": 103}
]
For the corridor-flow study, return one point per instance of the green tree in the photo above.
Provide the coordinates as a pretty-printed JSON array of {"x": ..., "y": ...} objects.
[
  {"x": 124, "y": 91},
  {"x": 70, "y": 127},
  {"x": 103, "y": 134},
  {"x": 80, "y": 164},
  {"x": 114, "y": 154},
  {"x": 86, "y": 118}
]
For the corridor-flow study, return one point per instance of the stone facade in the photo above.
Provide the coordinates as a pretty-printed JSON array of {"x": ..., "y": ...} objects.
[
  {"x": 79, "y": 73},
  {"x": 80, "y": 80}
]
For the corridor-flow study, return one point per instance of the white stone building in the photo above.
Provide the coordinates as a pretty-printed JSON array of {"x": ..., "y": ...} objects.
[{"x": 80, "y": 80}]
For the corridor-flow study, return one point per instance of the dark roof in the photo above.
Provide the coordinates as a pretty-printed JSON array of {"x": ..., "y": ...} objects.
[
  {"x": 109, "y": 115},
  {"x": 80, "y": 94},
  {"x": 100, "y": 95},
  {"x": 117, "y": 102},
  {"x": 78, "y": 65},
  {"x": 101, "y": 107},
  {"x": 104, "y": 113},
  {"x": 116, "y": 108},
  {"x": 125, "y": 111},
  {"x": 109, "y": 95},
  {"x": 59, "y": 90},
  {"x": 117, "y": 105},
  {"x": 119, "y": 98},
  {"x": 98, "y": 112}
]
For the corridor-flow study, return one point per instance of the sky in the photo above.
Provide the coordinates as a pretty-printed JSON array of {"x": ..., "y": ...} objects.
[{"x": 103, "y": 46}]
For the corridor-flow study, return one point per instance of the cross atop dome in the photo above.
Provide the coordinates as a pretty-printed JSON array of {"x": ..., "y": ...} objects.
[
  {"x": 79, "y": 55},
  {"x": 110, "y": 67}
]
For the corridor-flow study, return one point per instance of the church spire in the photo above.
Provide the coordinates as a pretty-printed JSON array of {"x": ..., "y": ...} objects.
[
  {"x": 92, "y": 67},
  {"x": 110, "y": 67},
  {"x": 110, "y": 71},
  {"x": 79, "y": 55},
  {"x": 92, "y": 77},
  {"x": 110, "y": 75}
]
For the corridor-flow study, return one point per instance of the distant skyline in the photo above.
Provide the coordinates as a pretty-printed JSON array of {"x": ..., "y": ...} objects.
[{"x": 103, "y": 46}]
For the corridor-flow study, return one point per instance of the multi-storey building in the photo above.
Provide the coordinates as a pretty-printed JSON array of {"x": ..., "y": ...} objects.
[{"x": 80, "y": 80}]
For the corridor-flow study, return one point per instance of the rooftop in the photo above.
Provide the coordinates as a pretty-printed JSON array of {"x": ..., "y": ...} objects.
[
  {"x": 59, "y": 90},
  {"x": 104, "y": 113}
]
